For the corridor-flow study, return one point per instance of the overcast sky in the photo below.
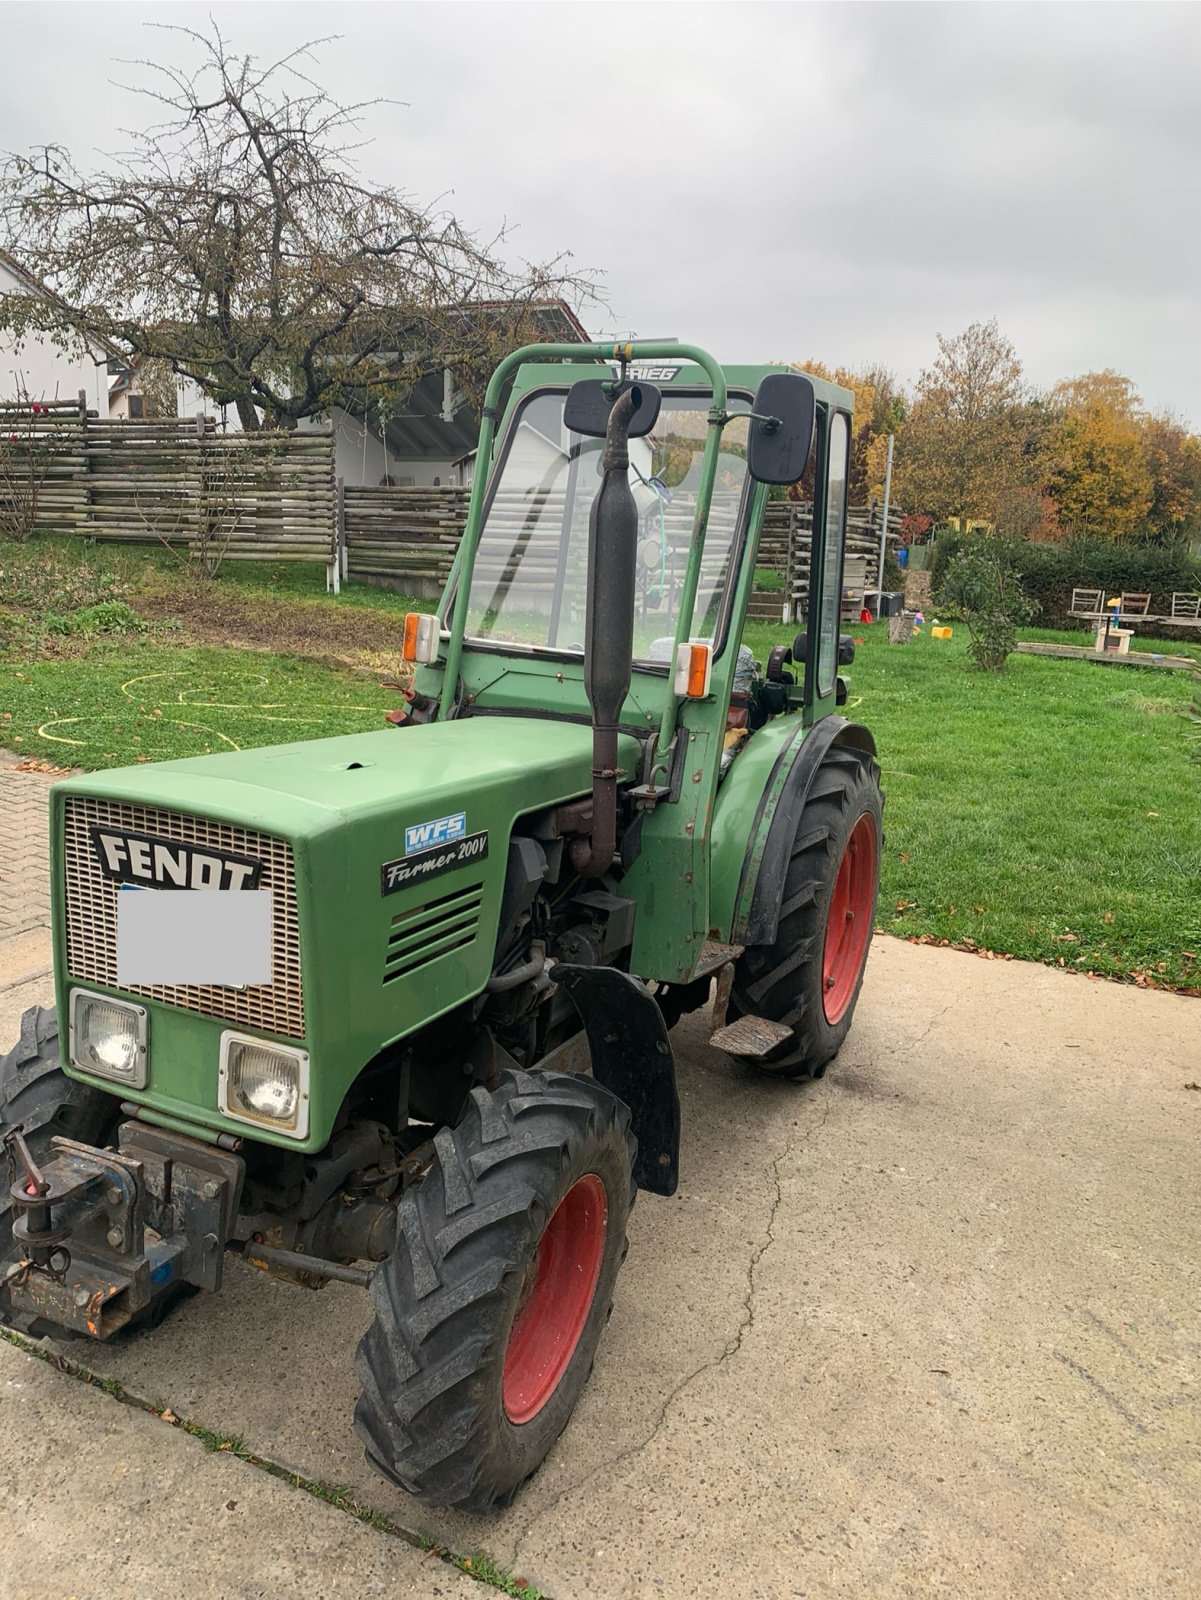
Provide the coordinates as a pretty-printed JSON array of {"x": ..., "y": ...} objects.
[{"x": 774, "y": 181}]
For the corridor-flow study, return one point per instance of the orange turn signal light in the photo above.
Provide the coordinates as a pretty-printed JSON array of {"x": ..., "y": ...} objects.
[
  {"x": 420, "y": 643},
  {"x": 694, "y": 668}
]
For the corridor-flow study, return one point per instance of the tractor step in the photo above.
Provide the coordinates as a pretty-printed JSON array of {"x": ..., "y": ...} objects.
[
  {"x": 753, "y": 1037},
  {"x": 713, "y": 957}
]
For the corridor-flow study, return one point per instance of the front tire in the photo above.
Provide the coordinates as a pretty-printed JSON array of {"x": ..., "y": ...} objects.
[
  {"x": 809, "y": 978},
  {"x": 490, "y": 1310}
]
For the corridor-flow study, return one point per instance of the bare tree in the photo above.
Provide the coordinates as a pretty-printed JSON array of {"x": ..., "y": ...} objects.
[{"x": 238, "y": 244}]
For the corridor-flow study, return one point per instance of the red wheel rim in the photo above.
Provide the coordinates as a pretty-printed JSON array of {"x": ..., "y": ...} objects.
[
  {"x": 560, "y": 1287},
  {"x": 849, "y": 923}
]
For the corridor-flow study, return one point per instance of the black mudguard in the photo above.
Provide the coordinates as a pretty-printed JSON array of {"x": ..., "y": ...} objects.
[
  {"x": 759, "y": 923},
  {"x": 631, "y": 1057}
]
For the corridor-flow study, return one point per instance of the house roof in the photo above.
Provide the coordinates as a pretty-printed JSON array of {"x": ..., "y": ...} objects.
[
  {"x": 18, "y": 271},
  {"x": 36, "y": 286},
  {"x": 421, "y": 433}
]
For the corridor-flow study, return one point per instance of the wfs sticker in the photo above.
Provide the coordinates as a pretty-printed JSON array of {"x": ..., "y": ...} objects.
[
  {"x": 424, "y": 835},
  {"x": 415, "y": 869}
]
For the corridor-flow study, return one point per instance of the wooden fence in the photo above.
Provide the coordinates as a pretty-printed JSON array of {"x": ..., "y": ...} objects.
[
  {"x": 274, "y": 497},
  {"x": 254, "y": 497},
  {"x": 406, "y": 538}
]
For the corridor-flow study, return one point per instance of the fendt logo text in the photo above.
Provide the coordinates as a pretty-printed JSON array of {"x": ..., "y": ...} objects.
[
  {"x": 425, "y": 835},
  {"x": 140, "y": 858}
]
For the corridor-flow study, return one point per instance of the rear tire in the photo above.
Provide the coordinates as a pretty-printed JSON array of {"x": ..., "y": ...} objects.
[
  {"x": 809, "y": 978},
  {"x": 490, "y": 1310},
  {"x": 36, "y": 1092}
]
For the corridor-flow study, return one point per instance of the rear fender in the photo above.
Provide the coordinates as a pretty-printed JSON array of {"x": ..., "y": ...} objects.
[{"x": 776, "y": 809}]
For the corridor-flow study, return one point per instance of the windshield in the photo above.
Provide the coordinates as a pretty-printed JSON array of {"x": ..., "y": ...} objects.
[{"x": 529, "y": 585}]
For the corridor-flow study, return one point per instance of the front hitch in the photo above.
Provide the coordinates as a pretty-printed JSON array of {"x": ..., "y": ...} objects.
[{"x": 99, "y": 1236}]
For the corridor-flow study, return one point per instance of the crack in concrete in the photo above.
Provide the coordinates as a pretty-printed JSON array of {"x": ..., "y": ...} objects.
[
  {"x": 732, "y": 1346},
  {"x": 931, "y": 1025}
]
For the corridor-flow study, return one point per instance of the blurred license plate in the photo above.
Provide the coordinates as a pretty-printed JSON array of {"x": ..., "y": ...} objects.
[{"x": 173, "y": 936}]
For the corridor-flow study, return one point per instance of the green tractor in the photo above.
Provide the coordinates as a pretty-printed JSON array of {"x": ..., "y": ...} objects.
[{"x": 356, "y": 1053}]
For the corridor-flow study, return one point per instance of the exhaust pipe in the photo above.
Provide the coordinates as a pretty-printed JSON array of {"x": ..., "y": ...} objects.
[{"x": 609, "y": 629}]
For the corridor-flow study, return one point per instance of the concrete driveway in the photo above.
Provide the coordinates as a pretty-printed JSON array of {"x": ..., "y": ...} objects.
[{"x": 927, "y": 1327}]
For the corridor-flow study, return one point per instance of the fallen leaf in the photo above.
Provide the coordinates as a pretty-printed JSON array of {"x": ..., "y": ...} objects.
[
  {"x": 1107, "y": 916},
  {"x": 168, "y": 1415}
]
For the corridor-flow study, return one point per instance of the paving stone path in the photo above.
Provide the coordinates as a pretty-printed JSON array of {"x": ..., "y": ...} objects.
[{"x": 24, "y": 848}]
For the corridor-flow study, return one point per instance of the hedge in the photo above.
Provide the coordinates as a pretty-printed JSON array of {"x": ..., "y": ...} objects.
[{"x": 1050, "y": 572}]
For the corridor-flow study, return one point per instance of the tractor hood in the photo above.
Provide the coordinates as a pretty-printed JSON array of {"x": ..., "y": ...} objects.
[
  {"x": 386, "y": 853},
  {"x": 404, "y": 776}
]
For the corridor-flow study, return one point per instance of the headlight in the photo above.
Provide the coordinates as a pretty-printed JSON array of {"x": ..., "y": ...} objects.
[
  {"x": 264, "y": 1083},
  {"x": 108, "y": 1038}
]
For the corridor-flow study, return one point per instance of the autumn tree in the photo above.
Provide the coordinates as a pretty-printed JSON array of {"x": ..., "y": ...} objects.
[
  {"x": 879, "y": 411},
  {"x": 1173, "y": 457},
  {"x": 1097, "y": 468},
  {"x": 238, "y": 244},
  {"x": 963, "y": 445}
]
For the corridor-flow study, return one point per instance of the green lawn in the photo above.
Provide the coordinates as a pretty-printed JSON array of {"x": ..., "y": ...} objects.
[
  {"x": 141, "y": 700},
  {"x": 1052, "y": 813}
]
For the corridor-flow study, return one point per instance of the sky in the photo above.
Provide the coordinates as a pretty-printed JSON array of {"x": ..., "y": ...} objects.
[{"x": 774, "y": 181}]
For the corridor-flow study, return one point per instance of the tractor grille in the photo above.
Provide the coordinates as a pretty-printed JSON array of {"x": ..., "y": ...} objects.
[
  {"x": 91, "y": 912},
  {"x": 423, "y": 933}
]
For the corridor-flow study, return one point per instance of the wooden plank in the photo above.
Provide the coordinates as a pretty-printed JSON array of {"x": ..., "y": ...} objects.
[{"x": 1136, "y": 658}]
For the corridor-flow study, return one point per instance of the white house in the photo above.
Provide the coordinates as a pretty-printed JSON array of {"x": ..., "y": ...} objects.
[{"x": 34, "y": 368}]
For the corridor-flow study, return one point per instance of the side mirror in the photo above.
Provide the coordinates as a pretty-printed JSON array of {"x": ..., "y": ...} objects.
[
  {"x": 589, "y": 402},
  {"x": 781, "y": 434}
]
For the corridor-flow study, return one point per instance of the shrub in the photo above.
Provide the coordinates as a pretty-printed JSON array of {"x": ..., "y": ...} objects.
[
  {"x": 109, "y": 616},
  {"x": 1049, "y": 572},
  {"x": 981, "y": 587}
]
